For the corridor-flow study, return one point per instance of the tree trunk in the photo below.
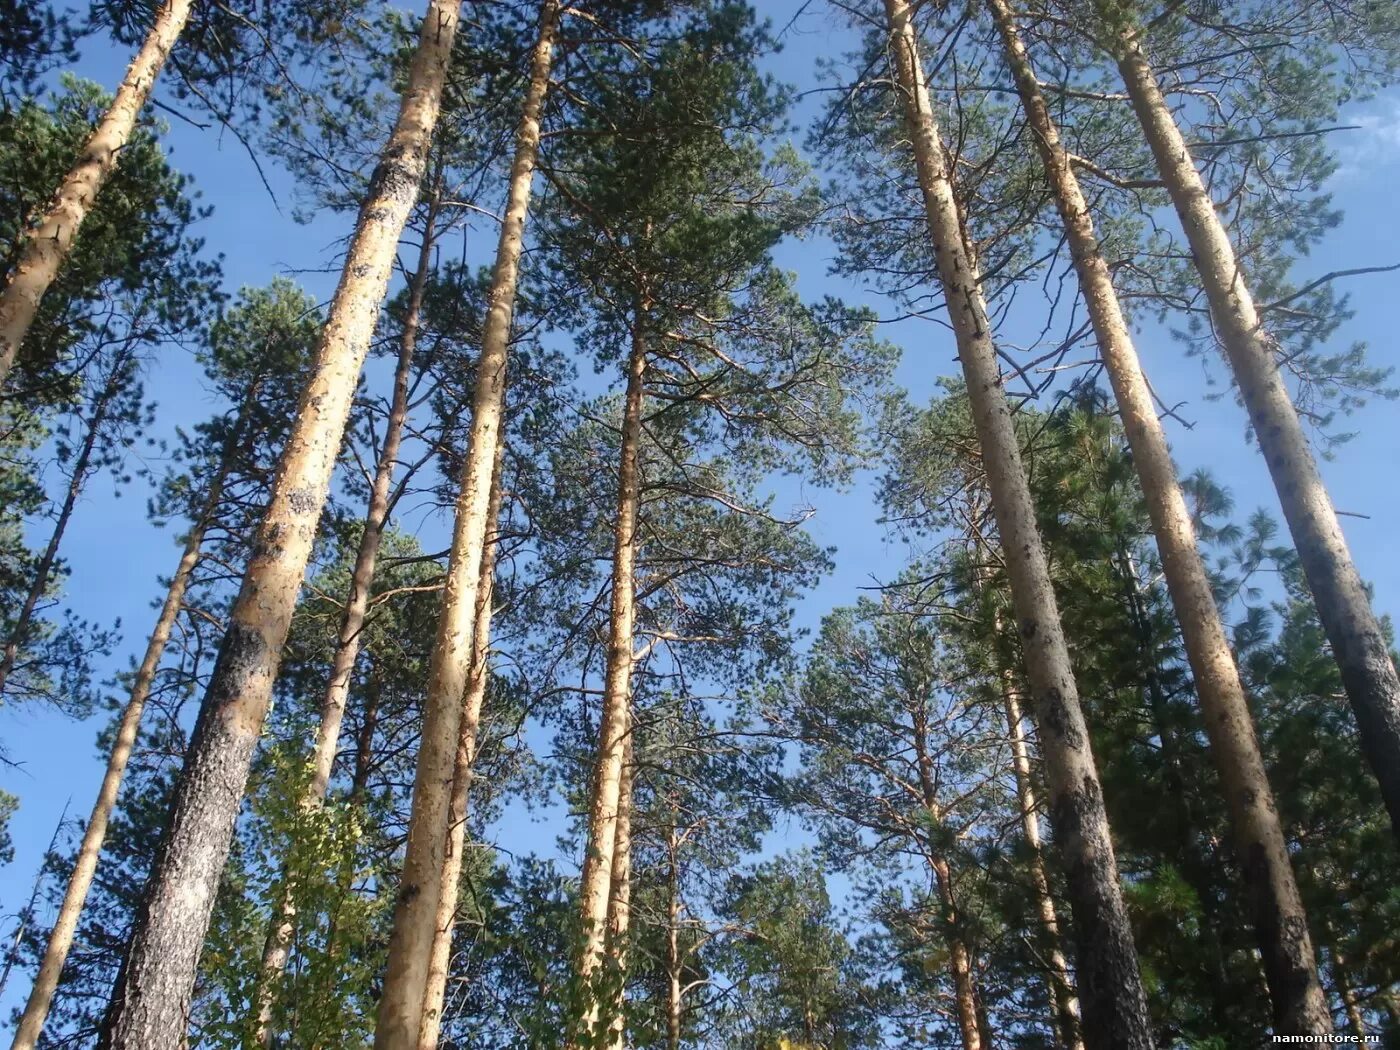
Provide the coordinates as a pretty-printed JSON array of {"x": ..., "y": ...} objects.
[
  {"x": 1356, "y": 1022},
  {"x": 348, "y": 642},
  {"x": 1061, "y": 987},
  {"x": 1113, "y": 1003},
  {"x": 150, "y": 1004},
  {"x": 595, "y": 882},
  {"x": 43, "y": 571},
  {"x": 415, "y": 914},
  {"x": 65, "y": 927},
  {"x": 1280, "y": 922},
  {"x": 620, "y": 898},
  {"x": 675, "y": 1007},
  {"x": 47, "y": 243},
  {"x": 1342, "y": 603},
  {"x": 467, "y": 737}
]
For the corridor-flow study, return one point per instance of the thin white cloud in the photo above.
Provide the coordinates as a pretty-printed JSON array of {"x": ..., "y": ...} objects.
[{"x": 1374, "y": 147}]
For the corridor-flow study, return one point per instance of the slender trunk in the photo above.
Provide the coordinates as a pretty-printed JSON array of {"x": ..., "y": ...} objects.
[
  {"x": 1343, "y": 605},
  {"x": 65, "y": 926},
  {"x": 1279, "y": 919},
  {"x": 467, "y": 737},
  {"x": 415, "y": 914},
  {"x": 47, "y": 243},
  {"x": 1113, "y": 1003},
  {"x": 43, "y": 571},
  {"x": 1061, "y": 987},
  {"x": 959, "y": 957},
  {"x": 675, "y": 1008},
  {"x": 150, "y": 1004},
  {"x": 1356, "y": 1022},
  {"x": 277, "y": 944},
  {"x": 595, "y": 882},
  {"x": 620, "y": 899}
]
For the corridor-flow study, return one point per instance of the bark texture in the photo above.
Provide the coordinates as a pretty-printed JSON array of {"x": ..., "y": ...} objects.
[
  {"x": 1279, "y": 920},
  {"x": 467, "y": 735},
  {"x": 1110, "y": 986},
  {"x": 36, "y": 1009},
  {"x": 400, "y": 1018},
  {"x": 595, "y": 884},
  {"x": 47, "y": 243},
  {"x": 620, "y": 899},
  {"x": 1343, "y": 605},
  {"x": 348, "y": 640},
  {"x": 150, "y": 1004}
]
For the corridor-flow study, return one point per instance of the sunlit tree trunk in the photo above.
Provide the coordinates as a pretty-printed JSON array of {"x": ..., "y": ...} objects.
[
  {"x": 1110, "y": 987},
  {"x": 595, "y": 882},
  {"x": 352, "y": 623},
  {"x": 65, "y": 925},
  {"x": 77, "y": 481},
  {"x": 620, "y": 899},
  {"x": 150, "y": 1004},
  {"x": 1280, "y": 922},
  {"x": 1343, "y": 605},
  {"x": 47, "y": 243},
  {"x": 675, "y": 1007},
  {"x": 478, "y": 679},
  {"x": 400, "y": 1018}
]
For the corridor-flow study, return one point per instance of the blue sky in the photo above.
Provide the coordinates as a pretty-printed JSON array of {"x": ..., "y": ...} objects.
[{"x": 116, "y": 556}]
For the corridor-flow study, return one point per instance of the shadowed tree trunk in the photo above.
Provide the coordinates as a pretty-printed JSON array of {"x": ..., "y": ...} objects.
[
  {"x": 595, "y": 882},
  {"x": 1343, "y": 605},
  {"x": 36, "y": 1009},
  {"x": 352, "y": 623},
  {"x": 467, "y": 737},
  {"x": 1110, "y": 987},
  {"x": 47, "y": 243},
  {"x": 77, "y": 481},
  {"x": 150, "y": 1004},
  {"x": 400, "y": 1018},
  {"x": 1280, "y": 922}
]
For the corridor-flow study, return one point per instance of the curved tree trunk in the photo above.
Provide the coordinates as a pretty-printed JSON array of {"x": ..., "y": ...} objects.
[
  {"x": 1342, "y": 603},
  {"x": 277, "y": 945},
  {"x": 467, "y": 736},
  {"x": 1280, "y": 922},
  {"x": 47, "y": 243},
  {"x": 65, "y": 927},
  {"x": 595, "y": 883},
  {"x": 1110, "y": 986},
  {"x": 150, "y": 1004},
  {"x": 415, "y": 913}
]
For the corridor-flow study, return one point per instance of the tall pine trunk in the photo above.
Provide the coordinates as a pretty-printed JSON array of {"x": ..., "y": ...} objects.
[
  {"x": 1343, "y": 606},
  {"x": 277, "y": 944},
  {"x": 468, "y": 733},
  {"x": 150, "y": 1004},
  {"x": 47, "y": 243},
  {"x": 675, "y": 990},
  {"x": 1280, "y": 922},
  {"x": 620, "y": 898},
  {"x": 65, "y": 927},
  {"x": 595, "y": 884},
  {"x": 1110, "y": 986},
  {"x": 400, "y": 1016},
  {"x": 77, "y": 481}
]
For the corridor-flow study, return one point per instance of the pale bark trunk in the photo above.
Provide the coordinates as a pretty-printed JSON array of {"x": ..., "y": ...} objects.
[
  {"x": 1280, "y": 922},
  {"x": 277, "y": 944},
  {"x": 620, "y": 898},
  {"x": 467, "y": 737},
  {"x": 1114, "y": 1006},
  {"x": 46, "y": 245},
  {"x": 65, "y": 927},
  {"x": 400, "y": 1018},
  {"x": 1356, "y": 1021},
  {"x": 43, "y": 571},
  {"x": 1062, "y": 992},
  {"x": 1343, "y": 606},
  {"x": 595, "y": 881},
  {"x": 150, "y": 1004},
  {"x": 675, "y": 1007}
]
